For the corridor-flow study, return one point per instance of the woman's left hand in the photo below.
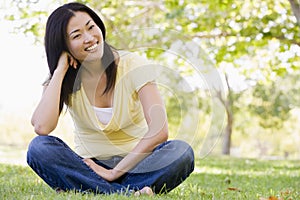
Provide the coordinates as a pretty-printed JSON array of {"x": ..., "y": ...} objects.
[{"x": 107, "y": 174}]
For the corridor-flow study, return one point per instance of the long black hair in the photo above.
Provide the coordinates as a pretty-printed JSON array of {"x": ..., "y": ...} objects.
[{"x": 56, "y": 43}]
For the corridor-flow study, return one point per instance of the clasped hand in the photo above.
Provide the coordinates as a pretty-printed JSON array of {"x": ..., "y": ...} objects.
[{"x": 107, "y": 174}]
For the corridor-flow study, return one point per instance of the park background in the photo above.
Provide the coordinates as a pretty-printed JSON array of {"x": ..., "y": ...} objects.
[{"x": 230, "y": 78}]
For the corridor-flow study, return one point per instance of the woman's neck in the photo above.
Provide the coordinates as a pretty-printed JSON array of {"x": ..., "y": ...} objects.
[{"x": 92, "y": 70}]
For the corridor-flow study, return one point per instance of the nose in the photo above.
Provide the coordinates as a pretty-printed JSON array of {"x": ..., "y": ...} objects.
[{"x": 87, "y": 37}]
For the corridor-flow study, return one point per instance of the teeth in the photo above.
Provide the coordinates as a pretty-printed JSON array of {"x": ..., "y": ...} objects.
[{"x": 92, "y": 47}]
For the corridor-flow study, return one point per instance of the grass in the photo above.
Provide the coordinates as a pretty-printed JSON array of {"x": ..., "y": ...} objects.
[{"x": 214, "y": 178}]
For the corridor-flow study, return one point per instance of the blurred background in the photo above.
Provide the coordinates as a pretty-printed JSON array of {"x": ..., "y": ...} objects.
[{"x": 229, "y": 76}]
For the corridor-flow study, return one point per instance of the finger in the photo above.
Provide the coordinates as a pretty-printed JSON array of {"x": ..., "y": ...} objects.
[
  {"x": 87, "y": 161},
  {"x": 73, "y": 62},
  {"x": 70, "y": 60},
  {"x": 76, "y": 63}
]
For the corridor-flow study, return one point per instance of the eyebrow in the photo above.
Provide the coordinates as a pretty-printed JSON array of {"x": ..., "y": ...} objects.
[{"x": 78, "y": 29}]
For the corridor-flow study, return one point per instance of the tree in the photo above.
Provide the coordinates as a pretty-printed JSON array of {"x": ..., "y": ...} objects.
[
  {"x": 260, "y": 39},
  {"x": 296, "y": 9}
]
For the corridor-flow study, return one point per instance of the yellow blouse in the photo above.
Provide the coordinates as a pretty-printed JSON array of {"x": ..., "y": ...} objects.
[{"x": 127, "y": 126}]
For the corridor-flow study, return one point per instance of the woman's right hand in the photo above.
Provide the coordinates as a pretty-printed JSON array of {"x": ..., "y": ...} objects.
[{"x": 66, "y": 60}]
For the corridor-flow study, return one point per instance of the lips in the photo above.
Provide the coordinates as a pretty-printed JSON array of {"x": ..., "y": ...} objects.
[{"x": 91, "y": 48}]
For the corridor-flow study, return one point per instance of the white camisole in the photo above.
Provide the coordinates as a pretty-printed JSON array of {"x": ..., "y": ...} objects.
[{"x": 104, "y": 115}]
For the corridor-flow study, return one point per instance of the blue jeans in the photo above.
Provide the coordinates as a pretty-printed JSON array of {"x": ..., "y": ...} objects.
[{"x": 61, "y": 168}]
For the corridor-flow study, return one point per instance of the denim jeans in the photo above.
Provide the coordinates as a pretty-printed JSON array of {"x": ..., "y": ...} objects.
[{"x": 61, "y": 168}]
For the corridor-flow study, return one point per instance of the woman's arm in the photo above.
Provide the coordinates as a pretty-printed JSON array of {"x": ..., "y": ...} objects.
[
  {"x": 156, "y": 117},
  {"x": 46, "y": 114}
]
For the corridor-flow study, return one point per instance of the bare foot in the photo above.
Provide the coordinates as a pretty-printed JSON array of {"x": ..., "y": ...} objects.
[
  {"x": 145, "y": 191},
  {"x": 59, "y": 190}
]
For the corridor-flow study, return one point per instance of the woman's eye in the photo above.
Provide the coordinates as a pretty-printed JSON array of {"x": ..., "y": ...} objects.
[
  {"x": 76, "y": 36},
  {"x": 91, "y": 27}
]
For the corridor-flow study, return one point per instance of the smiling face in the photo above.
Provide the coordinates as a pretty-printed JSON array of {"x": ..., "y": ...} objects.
[{"x": 84, "y": 38}]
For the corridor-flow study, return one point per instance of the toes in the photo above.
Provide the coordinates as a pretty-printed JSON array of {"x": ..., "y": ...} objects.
[{"x": 145, "y": 191}]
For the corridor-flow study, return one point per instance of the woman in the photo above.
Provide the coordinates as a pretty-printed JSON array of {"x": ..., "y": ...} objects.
[{"x": 120, "y": 121}]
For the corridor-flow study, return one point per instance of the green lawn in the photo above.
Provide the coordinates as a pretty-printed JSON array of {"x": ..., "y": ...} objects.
[{"x": 214, "y": 178}]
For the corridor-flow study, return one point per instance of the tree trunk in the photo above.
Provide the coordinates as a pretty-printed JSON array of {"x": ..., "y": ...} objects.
[
  {"x": 296, "y": 9},
  {"x": 227, "y": 134},
  {"x": 228, "y": 104}
]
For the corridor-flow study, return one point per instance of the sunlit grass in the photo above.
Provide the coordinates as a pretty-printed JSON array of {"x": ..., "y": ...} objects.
[{"x": 213, "y": 178}]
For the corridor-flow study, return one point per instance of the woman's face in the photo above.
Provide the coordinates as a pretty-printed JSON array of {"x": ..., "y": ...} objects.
[{"x": 85, "y": 40}]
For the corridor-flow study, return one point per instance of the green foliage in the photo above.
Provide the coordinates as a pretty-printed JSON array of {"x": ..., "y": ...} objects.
[
  {"x": 249, "y": 23},
  {"x": 274, "y": 102},
  {"x": 30, "y": 18},
  {"x": 214, "y": 178},
  {"x": 230, "y": 33}
]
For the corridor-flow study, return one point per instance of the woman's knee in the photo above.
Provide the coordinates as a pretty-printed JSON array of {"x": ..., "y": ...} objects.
[
  {"x": 186, "y": 152},
  {"x": 40, "y": 145},
  {"x": 184, "y": 148}
]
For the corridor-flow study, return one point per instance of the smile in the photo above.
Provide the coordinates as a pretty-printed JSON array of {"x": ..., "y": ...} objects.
[{"x": 92, "y": 47}]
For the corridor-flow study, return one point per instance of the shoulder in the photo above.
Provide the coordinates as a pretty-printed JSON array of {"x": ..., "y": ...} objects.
[
  {"x": 136, "y": 70},
  {"x": 131, "y": 60}
]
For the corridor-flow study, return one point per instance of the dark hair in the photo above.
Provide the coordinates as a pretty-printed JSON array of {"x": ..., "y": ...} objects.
[{"x": 56, "y": 43}]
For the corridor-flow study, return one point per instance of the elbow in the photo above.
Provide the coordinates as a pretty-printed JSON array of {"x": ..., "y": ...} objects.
[
  {"x": 165, "y": 132},
  {"x": 41, "y": 129},
  {"x": 164, "y": 135}
]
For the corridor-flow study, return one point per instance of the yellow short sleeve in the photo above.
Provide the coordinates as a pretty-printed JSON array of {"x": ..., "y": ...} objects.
[{"x": 140, "y": 71}]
